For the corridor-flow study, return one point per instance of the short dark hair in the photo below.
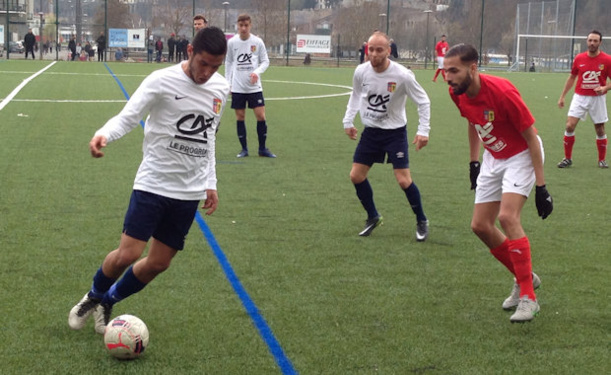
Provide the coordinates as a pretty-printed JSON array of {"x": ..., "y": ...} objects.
[
  {"x": 243, "y": 17},
  {"x": 200, "y": 17},
  {"x": 466, "y": 52},
  {"x": 211, "y": 40},
  {"x": 597, "y": 33}
]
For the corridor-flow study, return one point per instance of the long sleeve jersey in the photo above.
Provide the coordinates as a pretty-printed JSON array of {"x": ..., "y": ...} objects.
[
  {"x": 245, "y": 57},
  {"x": 380, "y": 98},
  {"x": 179, "y": 134}
]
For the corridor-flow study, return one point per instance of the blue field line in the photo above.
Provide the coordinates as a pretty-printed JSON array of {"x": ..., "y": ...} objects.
[
  {"x": 264, "y": 330},
  {"x": 121, "y": 87}
]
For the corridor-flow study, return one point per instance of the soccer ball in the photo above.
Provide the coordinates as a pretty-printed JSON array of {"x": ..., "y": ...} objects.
[{"x": 126, "y": 337}]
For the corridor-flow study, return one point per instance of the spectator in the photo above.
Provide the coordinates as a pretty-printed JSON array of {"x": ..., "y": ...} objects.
[
  {"x": 29, "y": 41},
  {"x": 101, "y": 41}
]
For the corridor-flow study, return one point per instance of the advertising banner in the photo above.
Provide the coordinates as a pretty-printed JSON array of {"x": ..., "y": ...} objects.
[
  {"x": 127, "y": 38},
  {"x": 313, "y": 44}
]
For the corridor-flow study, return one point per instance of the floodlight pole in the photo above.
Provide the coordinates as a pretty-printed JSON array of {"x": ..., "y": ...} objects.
[
  {"x": 56, "y": 29},
  {"x": 7, "y": 43},
  {"x": 426, "y": 49},
  {"x": 481, "y": 34},
  {"x": 573, "y": 32},
  {"x": 387, "y": 16},
  {"x": 105, "y": 30},
  {"x": 42, "y": 24},
  {"x": 288, "y": 32},
  {"x": 226, "y": 5}
]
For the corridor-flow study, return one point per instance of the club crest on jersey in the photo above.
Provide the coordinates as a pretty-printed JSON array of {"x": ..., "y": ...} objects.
[
  {"x": 489, "y": 115},
  {"x": 216, "y": 105},
  {"x": 601, "y": 67},
  {"x": 253, "y": 48},
  {"x": 392, "y": 86}
]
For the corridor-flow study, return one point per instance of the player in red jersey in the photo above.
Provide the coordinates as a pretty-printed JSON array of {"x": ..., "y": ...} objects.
[
  {"x": 591, "y": 69},
  {"x": 512, "y": 164},
  {"x": 441, "y": 48}
]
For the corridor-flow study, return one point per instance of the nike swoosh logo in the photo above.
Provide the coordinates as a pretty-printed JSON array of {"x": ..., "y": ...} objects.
[{"x": 179, "y": 97}]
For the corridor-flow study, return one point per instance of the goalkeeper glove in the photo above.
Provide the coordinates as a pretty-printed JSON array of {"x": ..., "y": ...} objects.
[
  {"x": 473, "y": 173},
  {"x": 544, "y": 202}
]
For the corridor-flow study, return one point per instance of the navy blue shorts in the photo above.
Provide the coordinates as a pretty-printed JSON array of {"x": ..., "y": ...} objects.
[
  {"x": 238, "y": 101},
  {"x": 166, "y": 219},
  {"x": 376, "y": 143}
]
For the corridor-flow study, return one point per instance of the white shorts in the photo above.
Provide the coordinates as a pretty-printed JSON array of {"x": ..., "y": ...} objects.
[
  {"x": 596, "y": 106},
  {"x": 440, "y": 62},
  {"x": 500, "y": 176}
]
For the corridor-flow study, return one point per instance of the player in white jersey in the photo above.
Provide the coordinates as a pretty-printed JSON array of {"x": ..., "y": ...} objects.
[
  {"x": 380, "y": 90},
  {"x": 245, "y": 62},
  {"x": 184, "y": 104}
]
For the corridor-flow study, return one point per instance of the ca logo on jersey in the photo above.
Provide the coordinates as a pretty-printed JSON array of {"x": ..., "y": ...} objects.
[
  {"x": 491, "y": 141},
  {"x": 590, "y": 77},
  {"x": 244, "y": 58},
  {"x": 377, "y": 102},
  {"x": 190, "y": 126}
]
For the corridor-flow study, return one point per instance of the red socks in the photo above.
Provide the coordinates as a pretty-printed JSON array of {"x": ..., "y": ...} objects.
[
  {"x": 601, "y": 145},
  {"x": 569, "y": 141},
  {"x": 502, "y": 254},
  {"x": 519, "y": 251}
]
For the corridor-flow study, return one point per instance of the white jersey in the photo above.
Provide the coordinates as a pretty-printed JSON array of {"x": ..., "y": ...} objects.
[
  {"x": 179, "y": 135},
  {"x": 380, "y": 98},
  {"x": 245, "y": 57}
]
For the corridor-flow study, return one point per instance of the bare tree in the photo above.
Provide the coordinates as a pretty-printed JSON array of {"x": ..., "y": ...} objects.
[
  {"x": 269, "y": 22},
  {"x": 174, "y": 16},
  {"x": 355, "y": 24},
  {"x": 118, "y": 16}
]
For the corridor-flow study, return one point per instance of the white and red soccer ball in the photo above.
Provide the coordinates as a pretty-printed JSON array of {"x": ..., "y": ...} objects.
[{"x": 126, "y": 337}]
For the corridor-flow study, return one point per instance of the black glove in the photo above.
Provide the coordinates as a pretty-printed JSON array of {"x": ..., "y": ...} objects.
[
  {"x": 544, "y": 202},
  {"x": 473, "y": 173}
]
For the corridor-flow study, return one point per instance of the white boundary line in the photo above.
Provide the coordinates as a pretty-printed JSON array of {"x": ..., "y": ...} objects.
[{"x": 10, "y": 96}]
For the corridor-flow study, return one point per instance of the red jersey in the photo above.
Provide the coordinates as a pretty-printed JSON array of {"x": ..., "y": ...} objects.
[
  {"x": 591, "y": 72},
  {"x": 499, "y": 115},
  {"x": 441, "y": 47}
]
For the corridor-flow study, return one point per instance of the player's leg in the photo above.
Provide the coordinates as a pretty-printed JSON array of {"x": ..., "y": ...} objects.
[
  {"x": 238, "y": 103},
  {"x": 601, "y": 145},
  {"x": 518, "y": 182},
  {"x": 115, "y": 263},
  {"x": 569, "y": 141},
  {"x": 598, "y": 113},
  {"x": 134, "y": 280},
  {"x": 257, "y": 103},
  {"x": 358, "y": 177},
  {"x": 412, "y": 193},
  {"x": 520, "y": 253},
  {"x": 577, "y": 111}
]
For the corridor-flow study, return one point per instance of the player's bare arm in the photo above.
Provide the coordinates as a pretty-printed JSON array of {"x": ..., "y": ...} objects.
[
  {"x": 212, "y": 201},
  {"x": 352, "y": 132},
  {"x": 567, "y": 86},
  {"x": 96, "y": 144},
  {"x": 534, "y": 148},
  {"x": 420, "y": 141}
]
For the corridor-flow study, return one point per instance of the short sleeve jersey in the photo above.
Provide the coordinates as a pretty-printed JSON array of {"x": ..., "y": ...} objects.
[
  {"x": 591, "y": 72},
  {"x": 441, "y": 48},
  {"x": 499, "y": 115}
]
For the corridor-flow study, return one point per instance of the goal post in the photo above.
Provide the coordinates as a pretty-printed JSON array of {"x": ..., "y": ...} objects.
[{"x": 551, "y": 52}]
